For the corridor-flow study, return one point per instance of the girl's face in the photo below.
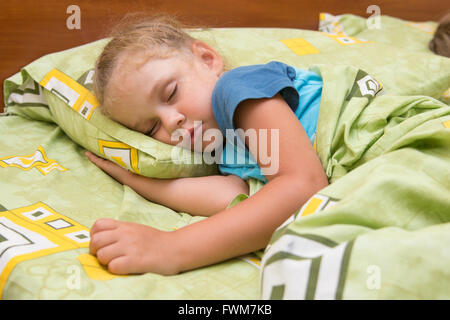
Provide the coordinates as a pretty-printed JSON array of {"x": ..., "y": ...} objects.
[{"x": 160, "y": 96}]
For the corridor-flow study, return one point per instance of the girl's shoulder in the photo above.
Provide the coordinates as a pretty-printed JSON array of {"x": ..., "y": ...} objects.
[
  {"x": 252, "y": 82},
  {"x": 265, "y": 71}
]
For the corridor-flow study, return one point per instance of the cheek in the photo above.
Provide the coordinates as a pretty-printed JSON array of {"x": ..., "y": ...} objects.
[
  {"x": 197, "y": 102},
  {"x": 203, "y": 110},
  {"x": 163, "y": 136}
]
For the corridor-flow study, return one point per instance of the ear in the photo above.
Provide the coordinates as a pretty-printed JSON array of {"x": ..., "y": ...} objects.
[{"x": 208, "y": 55}]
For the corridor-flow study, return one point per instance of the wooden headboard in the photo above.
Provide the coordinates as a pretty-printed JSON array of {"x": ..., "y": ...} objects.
[{"x": 30, "y": 29}]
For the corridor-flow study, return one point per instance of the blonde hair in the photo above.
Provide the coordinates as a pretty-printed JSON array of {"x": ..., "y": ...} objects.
[{"x": 156, "y": 36}]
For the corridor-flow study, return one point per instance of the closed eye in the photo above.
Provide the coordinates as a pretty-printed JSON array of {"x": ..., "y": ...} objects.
[
  {"x": 172, "y": 94},
  {"x": 153, "y": 129}
]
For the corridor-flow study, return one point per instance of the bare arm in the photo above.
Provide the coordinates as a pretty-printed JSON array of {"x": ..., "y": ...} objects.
[
  {"x": 203, "y": 196},
  {"x": 249, "y": 225},
  {"x": 133, "y": 248}
]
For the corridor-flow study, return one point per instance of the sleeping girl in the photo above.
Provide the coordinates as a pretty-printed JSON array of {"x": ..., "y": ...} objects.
[{"x": 154, "y": 78}]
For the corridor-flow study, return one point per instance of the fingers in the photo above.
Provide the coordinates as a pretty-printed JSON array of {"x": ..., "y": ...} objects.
[
  {"x": 106, "y": 254},
  {"x": 101, "y": 240},
  {"x": 103, "y": 225},
  {"x": 110, "y": 252},
  {"x": 100, "y": 236},
  {"x": 113, "y": 169},
  {"x": 104, "y": 240},
  {"x": 90, "y": 155},
  {"x": 120, "y": 265},
  {"x": 96, "y": 160}
]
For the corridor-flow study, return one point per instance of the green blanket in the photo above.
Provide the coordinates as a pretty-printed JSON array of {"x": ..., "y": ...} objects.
[
  {"x": 381, "y": 229},
  {"x": 386, "y": 156}
]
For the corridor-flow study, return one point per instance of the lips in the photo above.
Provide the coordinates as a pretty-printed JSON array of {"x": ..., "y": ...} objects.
[
  {"x": 191, "y": 132},
  {"x": 192, "y": 135}
]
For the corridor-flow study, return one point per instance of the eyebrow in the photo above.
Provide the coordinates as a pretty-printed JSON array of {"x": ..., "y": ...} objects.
[{"x": 160, "y": 83}]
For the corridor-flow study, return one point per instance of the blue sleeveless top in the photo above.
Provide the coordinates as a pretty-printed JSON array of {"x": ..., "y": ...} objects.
[{"x": 301, "y": 89}]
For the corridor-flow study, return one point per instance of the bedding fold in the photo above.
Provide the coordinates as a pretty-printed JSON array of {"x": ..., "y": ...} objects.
[{"x": 380, "y": 229}]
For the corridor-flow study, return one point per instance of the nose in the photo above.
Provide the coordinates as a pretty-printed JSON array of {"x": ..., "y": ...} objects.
[{"x": 172, "y": 120}]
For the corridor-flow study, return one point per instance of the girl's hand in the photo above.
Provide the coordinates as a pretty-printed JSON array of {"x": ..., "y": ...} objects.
[
  {"x": 114, "y": 170},
  {"x": 126, "y": 247}
]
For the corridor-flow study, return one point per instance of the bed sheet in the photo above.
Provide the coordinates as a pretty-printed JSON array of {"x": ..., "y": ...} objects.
[{"x": 50, "y": 194}]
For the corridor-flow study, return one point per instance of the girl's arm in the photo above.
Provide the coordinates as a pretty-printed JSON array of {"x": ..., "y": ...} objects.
[
  {"x": 132, "y": 248},
  {"x": 203, "y": 196},
  {"x": 248, "y": 226}
]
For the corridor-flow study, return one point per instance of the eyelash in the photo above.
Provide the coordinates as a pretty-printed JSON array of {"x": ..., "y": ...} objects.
[
  {"x": 150, "y": 133},
  {"x": 173, "y": 93}
]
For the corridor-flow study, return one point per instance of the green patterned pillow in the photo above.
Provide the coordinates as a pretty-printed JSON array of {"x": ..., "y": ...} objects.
[{"x": 58, "y": 88}]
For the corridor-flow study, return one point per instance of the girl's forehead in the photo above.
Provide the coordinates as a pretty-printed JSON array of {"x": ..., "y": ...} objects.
[
  {"x": 132, "y": 61},
  {"x": 124, "y": 71},
  {"x": 119, "y": 84},
  {"x": 131, "y": 68}
]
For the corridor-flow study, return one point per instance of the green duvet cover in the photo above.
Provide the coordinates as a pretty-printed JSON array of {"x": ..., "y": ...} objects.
[{"x": 378, "y": 231}]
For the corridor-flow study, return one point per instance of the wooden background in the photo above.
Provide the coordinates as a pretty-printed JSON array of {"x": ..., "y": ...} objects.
[{"x": 30, "y": 29}]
